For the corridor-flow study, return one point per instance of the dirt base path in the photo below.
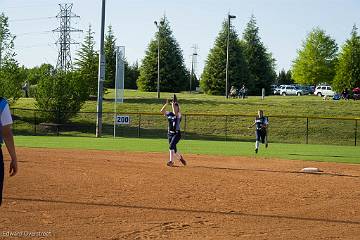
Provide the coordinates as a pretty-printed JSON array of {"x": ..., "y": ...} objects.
[{"x": 77, "y": 194}]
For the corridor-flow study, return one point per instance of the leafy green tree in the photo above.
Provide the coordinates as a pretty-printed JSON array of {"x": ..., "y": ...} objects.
[
  {"x": 87, "y": 62},
  {"x": 173, "y": 73},
  {"x": 284, "y": 77},
  {"x": 61, "y": 95},
  {"x": 6, "y": 41},
  {"x": 34, "y": 75},
  {"x": 260, "y": 61},
  {"x": 110, "y": 58},
  {"x": 11, "y": 77},
  {"x": 131, "y": 75},
  {"x": 214, "y": 75},
  {"x": 316, "y": 60},
  {"x": 348, "y": 68}
]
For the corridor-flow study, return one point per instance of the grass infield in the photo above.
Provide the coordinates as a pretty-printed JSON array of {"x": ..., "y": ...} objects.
[{"x": 324, "y": 153}]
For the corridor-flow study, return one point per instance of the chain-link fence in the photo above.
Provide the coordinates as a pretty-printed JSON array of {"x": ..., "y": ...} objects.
[{"x": 282, "y": 129}]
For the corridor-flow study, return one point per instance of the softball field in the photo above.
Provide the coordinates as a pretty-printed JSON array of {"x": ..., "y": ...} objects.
[{"x": 89, "y": 194}]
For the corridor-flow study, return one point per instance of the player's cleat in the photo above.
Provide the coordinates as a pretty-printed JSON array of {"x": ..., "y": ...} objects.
[
  {"x": 256, "y": 150},
  {"x": 170, "y": 164},
  {"x": 182, "y": 160},
  {"x": 266, "y": 145}
]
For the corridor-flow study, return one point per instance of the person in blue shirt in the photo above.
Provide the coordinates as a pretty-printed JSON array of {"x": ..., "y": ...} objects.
[
  {"x": 174, "y": 133},
  {"x": 261, "y": 123},
  {"x": 6, "y": 136}
]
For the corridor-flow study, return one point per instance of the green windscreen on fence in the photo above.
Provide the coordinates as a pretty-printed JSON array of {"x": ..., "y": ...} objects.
[{"x": 282, "y": 129}]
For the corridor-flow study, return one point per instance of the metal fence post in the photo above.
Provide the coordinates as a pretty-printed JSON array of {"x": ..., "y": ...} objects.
[
  {"x": 226, "y": 120},
  {"x": 139, "y": 125},
  {"x": 184, "y": 126},
  {"x": 307, "y": 130},
  {"x": 35, "y": 122},
  {"x": 355, "y": 131}
]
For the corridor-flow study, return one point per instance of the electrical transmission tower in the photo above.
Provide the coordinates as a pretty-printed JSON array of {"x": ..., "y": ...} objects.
[
  {"x": 65, "y": 15},
  {"x": 193, "y": 65}
]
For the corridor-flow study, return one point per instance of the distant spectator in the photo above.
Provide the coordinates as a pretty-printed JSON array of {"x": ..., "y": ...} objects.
[
  {"x": 26, "y": 89},
  {"x": 243, "y": 91},
  {"x": 345, "y": 94},
  {"x": 233, "y": 91}
]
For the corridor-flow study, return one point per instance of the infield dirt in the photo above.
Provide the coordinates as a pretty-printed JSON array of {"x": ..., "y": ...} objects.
[{"x": 78, "y": 194}]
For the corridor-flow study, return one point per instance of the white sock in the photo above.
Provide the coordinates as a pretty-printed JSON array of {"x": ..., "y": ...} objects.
[
  {"x": 172, "y": 152},
  {"x": 257, "y": 144}
]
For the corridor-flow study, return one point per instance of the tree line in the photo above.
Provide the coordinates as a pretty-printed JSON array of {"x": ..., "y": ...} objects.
[{"x": 250, "y": 63}]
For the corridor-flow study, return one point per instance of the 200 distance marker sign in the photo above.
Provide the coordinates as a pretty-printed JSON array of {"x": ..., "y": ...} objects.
[{"x": 122, "y": 120}]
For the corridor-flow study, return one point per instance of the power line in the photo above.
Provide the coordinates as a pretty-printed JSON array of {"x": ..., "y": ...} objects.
[
  {"x": 32, "y": 33},
  {"x": 30, "y": 19},
  {"x": 30, "y": 46},
  {"x": 29, "y": 6}
]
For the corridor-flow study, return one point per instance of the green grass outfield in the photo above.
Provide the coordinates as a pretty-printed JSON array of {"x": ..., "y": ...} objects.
[
  {"x": 284, "y": 129},
  {"x": 324, "y": 153},
  {"x": 136, "y": 101}
]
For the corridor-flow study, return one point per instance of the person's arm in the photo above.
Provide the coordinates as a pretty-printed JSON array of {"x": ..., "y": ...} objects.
[
  {"x": 176, "y": 111},
  {"x": 9, "y": 141},
  {"x": 163, "y": 109},
  {"x": 252, "y": 124}
]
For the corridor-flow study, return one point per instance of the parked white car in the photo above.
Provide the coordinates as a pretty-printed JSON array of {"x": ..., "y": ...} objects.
[
  {"x": 324, "y": 90},
  {"x": 291, "y": 90}
]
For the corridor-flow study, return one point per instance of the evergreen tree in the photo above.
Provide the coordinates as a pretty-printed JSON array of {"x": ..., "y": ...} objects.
[
  {"x": 261, "y": 63},
  {"x": 316, "y": 60},
  {"x": 87, "y": 62},
  {"x": 348, "y": 68},
  {"x": 214, "y": 75},
  {"x": 110, "y": 58},
  {"x": 173, "y": 73},
  {"x": 131, "y": 75},
  {"x": 289, "y": 78},
  {"x": 284, "y": 78}
]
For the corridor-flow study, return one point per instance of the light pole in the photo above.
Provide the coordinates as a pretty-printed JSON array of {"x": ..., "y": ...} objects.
[
  {"x": 227, "y": 56},
  {"x": 101, "y": 76},
  {"x": 158, "y": 57}
]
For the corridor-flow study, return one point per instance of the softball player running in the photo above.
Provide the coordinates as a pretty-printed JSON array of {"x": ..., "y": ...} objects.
[
  {"x": 174, "y": 133},
  {"x": 7, "y": 136},
  {"x": 261, "y": 122}
]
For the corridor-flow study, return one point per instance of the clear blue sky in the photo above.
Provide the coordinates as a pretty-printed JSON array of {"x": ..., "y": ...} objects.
[{"x": 283, "y": 24}]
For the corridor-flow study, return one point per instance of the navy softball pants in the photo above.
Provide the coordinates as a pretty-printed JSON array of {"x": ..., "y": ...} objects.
[{"x": 173, "y": 140}]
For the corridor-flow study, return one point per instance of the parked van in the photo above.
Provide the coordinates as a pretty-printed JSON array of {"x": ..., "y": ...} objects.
[{"x": 324, "y": 90}]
